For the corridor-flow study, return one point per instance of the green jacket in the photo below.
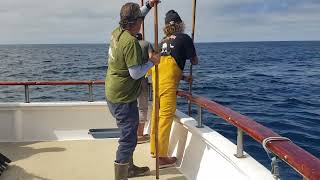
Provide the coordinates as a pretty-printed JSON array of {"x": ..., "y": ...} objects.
[{"x": 124, "y": 52}]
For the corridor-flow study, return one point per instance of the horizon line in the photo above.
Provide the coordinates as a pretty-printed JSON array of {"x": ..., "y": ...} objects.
[{"x": 203, "y": 42}]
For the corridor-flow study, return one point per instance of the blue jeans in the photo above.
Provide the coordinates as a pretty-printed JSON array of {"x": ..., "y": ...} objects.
[{"x": 127, "y": 117}]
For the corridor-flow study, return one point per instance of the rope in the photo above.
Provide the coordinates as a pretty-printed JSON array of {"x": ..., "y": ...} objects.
[
  {"x": 269, "y": 139},
  {"x": 274, "y": 160}
]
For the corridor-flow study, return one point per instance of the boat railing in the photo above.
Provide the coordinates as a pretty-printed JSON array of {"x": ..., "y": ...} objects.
[
  {"x": 26, "y": 85},
  {"x": 302, "y": 161}
]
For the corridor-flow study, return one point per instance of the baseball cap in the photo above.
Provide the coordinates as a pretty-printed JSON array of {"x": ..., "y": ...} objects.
[
  {"x": 129, "y": 13},
  {"x": 172, "y": 17}
]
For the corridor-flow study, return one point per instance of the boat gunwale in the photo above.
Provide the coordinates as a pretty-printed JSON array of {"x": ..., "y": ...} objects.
[
  {"x": 42, "y": 83},
  {"x": 299, "y": 159}
]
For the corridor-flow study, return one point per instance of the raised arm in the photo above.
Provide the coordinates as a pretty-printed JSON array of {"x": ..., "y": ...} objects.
[{"x": 148, "y": 6}]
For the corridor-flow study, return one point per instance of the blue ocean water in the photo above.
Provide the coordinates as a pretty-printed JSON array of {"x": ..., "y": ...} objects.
[{"x": 275, "y": 83}]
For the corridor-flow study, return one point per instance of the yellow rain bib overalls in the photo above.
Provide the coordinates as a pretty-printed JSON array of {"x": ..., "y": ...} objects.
[{"x": 169, "y": 78}]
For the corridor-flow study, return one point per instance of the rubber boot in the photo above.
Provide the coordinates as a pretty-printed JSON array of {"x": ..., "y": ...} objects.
[
  {"x": 121, "y": 171},
  {"x": 135, "y": 171}
]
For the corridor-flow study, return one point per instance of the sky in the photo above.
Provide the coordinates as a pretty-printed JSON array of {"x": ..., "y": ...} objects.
[{"x": 91, "y": 21}]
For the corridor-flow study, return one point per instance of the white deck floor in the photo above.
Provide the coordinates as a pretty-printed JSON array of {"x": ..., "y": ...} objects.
[{"x": 73, "y": 160}]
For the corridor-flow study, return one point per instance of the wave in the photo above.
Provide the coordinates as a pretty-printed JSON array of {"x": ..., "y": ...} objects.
[
  {"x": 296, "y": 101},
  {"x": 105, "y": 67},
  {"x": 261, "y": 75},
  {"x": 50, "y": 71}
]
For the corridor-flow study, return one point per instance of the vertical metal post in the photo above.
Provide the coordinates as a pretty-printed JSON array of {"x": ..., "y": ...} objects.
[
  {"x": 200, "y": 124},
  {"x": 90, "y": 93},
  {"x": 26, "y": 94},
  {"x": 240, "y": 144}
]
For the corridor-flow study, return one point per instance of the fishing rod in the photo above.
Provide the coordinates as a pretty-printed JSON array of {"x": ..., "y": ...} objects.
[
  {"x": 194, "y": 8},
  {"x": 157, "y": 100},
  {"x": 142, "y": 25}
]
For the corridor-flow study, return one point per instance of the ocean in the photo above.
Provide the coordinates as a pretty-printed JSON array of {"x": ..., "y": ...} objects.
[{"x": 275, "y": 83}]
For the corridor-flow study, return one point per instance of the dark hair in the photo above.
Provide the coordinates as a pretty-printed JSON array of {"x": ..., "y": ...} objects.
[{"x": 129, "y": 14}]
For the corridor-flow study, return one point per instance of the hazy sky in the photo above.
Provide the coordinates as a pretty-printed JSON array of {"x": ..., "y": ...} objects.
[{"x": 91, "y": 21}]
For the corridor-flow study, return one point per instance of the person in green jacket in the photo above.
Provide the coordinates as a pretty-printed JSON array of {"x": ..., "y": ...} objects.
[{"x": 123, "y": 85}]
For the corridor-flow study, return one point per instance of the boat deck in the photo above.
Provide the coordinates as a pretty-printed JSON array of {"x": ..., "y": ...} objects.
[{"x": 73, "y": 160}]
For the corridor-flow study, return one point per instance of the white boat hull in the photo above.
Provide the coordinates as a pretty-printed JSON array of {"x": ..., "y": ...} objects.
[{"x": 203, "y": 154}]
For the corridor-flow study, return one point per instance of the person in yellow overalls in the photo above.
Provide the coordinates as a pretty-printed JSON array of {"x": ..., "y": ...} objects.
[{"x": 176, "y": 48}]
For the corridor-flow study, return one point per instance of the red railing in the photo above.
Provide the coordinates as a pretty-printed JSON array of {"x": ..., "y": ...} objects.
[
  {"x": 299, "y": 159},
  {"x": 26, "y": 85},
  {"x": 51, "y": 83}
]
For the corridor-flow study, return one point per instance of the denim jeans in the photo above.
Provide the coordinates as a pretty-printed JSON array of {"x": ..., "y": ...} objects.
[{"x": 127, "y": 117}]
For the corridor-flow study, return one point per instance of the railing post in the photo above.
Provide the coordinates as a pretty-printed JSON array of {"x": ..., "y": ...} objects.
[
  {"x": 200, "y": 124},
  {"x": 26, "y": 94},
  {"x": 90, "y": 92},
  {"x": 240, "y": 144}
]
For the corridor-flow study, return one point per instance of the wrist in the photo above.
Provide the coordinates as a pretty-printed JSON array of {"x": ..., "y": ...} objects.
[{"x": 151, "y": 62}]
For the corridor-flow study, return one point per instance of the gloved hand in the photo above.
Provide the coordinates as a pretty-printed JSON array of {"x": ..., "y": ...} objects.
[{"x": 153, "y": 2}]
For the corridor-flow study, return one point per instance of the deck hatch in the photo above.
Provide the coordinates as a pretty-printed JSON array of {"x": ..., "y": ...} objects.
[{"x": 105, "y": 133}]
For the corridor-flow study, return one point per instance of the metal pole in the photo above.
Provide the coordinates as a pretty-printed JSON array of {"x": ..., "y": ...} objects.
[
  {"x": 26, "y": 94},
  {"x": 142, "y": 25},
  {"x": 157, "y": 101},
  {"x": 194, "y": 11},
  {"x": 194, "y": 8},
  {"x": 240, "y": 144},
  {"x": 90, "y": 93},
  {"x": 200, "y": 124}
]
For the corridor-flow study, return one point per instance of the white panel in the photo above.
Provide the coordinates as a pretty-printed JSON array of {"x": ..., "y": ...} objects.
[
  {"x": 53, "y": 121},
  {"x": 204, "y": 154},
  {"x": 6, "y": 125}
]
